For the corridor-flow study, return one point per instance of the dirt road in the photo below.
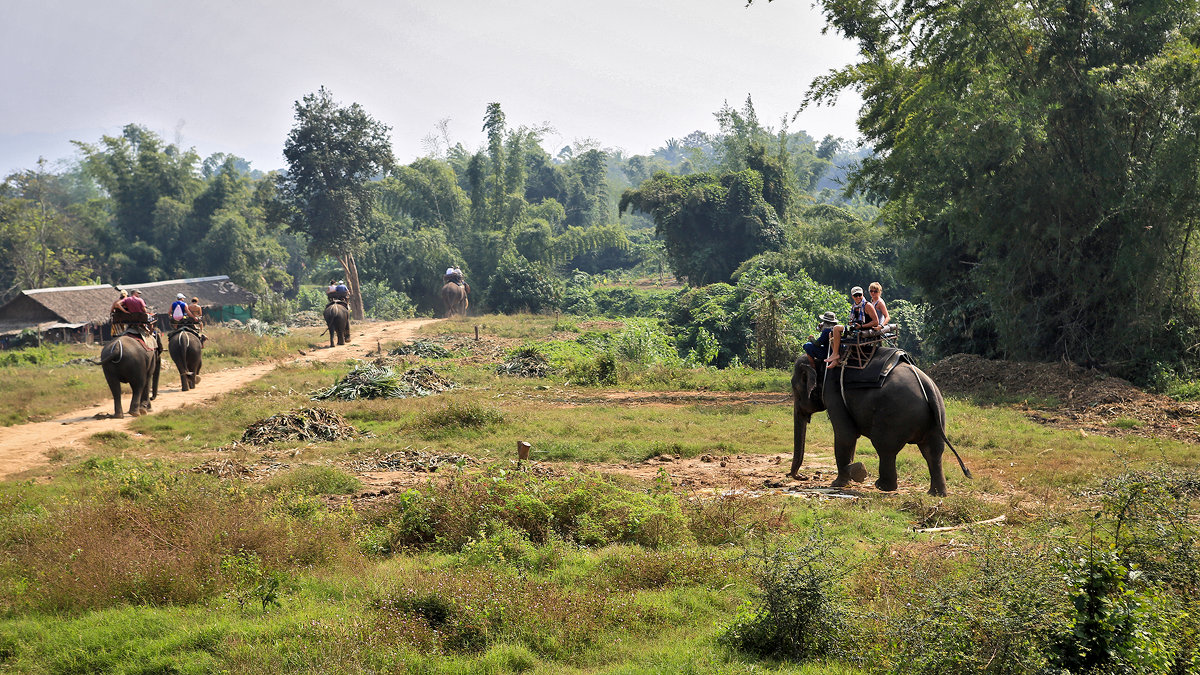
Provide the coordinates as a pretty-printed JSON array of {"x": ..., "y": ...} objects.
[{"x": 23, "y": 447}]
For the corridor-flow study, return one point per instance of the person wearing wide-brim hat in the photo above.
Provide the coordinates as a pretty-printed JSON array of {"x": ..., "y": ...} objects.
[{"x": 816, "y": 348}]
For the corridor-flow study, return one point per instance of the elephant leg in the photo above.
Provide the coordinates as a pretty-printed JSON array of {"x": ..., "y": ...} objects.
[
  {"x": 932, "y": 449},
  {"x": 888, "y": 476},
  {"x": 135, "y": 401},
  {"x": 843, "y": 453},
  {"x": 114, "y": 385}
]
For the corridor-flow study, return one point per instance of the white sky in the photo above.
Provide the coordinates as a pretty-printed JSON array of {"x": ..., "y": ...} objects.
[{"x": 223, "y": 75}]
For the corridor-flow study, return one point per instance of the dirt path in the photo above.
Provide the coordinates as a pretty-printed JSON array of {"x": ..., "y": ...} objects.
[{"x": 23, "y": 447}]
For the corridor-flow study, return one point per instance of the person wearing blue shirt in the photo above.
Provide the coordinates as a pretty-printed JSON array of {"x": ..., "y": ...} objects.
[
  {"x": 178, "y": 308},
  {"x": 818, "y": 348}
]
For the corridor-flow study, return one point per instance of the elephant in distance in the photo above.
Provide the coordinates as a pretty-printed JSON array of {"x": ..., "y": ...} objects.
[{"x": 128, "y": 359}]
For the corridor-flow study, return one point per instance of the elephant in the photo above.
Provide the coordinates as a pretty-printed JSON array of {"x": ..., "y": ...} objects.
[
  {"x": 454, "y": 298},
  {"x": 185, "y": 348},
  {"x": 907, "y": 408},
  {"x": 337, "y": 320},
  {"x": 125, "y": 359}
]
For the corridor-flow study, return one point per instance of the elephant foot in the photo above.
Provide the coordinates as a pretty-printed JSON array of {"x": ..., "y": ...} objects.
[
  {"x": 840, "y": 481},
  {"x": 936, "y": 492},
  {"x": 195, "y": 380},
  {"x": 886, "y": 486}
]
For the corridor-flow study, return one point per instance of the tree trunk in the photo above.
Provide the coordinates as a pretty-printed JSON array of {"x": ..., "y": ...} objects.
[{"x": 351, "y": 269}]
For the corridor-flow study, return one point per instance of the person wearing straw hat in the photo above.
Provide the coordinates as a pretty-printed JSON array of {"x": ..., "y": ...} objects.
[{"x": 816, "y": 348}]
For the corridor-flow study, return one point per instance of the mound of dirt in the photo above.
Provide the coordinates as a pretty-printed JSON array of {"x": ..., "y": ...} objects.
[
  {"x": 1074, "y": 387},
  {"x": 306, "y": 424},
  {"x": 1066, "y": 395}
]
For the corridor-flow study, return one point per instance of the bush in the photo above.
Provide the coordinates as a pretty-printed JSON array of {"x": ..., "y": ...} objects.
[
  {"x": 380, "y": 301},
  {"x": 798, "y": 613},
  {"x": 520, "y": 285}
]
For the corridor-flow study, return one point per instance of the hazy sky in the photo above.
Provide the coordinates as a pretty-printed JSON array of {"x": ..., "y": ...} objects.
[{"x": 223, "y": 75}]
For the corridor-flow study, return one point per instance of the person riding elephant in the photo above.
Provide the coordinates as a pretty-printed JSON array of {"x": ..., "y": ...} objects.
[
  {"x": 337, "y": 321},
  {"x": 186, "y": 345},
  {"x": 905, "y": 407},
  {"x": 862, "y": 317},
  {"x": 128, "y": 359}
]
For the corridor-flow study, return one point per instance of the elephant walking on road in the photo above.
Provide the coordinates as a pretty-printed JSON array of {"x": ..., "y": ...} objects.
[
  {"x": 337, "y": 320},
  {"x": 906, "y": 408},
  {"x": 127, "y": 359},
  {"x": 186, "y": 350},
  {"x": 454, "y": 299}
]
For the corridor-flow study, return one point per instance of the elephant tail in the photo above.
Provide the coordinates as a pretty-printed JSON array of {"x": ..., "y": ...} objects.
[
  {"x": 939, "y": 417},
  {"x": 113, "y": 353}
]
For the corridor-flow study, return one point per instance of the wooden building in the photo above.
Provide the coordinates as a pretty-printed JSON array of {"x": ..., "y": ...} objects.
[{"x": 71, "y": 313}]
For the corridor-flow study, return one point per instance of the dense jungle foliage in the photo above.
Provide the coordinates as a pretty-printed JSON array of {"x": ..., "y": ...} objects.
[{"x": 1028, "y": 180}]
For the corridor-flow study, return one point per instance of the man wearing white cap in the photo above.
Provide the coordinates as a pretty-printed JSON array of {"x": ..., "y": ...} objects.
[
  {"x": 862, "y": 317},
  {"x": 178, "y": 308}
]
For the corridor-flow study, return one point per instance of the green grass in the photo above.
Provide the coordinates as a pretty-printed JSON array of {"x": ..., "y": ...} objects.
[
  {"x": 62, "y": 388},
  {"x": 128, "y": 562}
]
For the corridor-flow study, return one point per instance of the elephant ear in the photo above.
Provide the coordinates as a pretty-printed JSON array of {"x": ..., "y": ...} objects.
[{"x": 805, "y": 384}]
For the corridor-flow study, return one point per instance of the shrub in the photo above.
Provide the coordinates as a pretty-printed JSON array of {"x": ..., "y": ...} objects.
[
  {"x": 140, "y": 535},
  {"x": 797, "y": 613},
  {"x": 381, "y": 301},
  {"x": 520, "y": 285},
  {"x": 996, "y": 613}
]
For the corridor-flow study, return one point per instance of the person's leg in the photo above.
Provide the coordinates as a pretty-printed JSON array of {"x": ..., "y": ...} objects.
[{"x": 835, "y": 344}]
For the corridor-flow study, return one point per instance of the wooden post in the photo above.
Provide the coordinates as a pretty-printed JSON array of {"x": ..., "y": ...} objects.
[
  {"x": 523, "y": 450},
  {"x": 477, "y": 333}
]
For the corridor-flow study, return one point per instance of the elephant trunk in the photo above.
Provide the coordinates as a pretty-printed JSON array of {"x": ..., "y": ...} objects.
[{"x": 800, "y": 422}]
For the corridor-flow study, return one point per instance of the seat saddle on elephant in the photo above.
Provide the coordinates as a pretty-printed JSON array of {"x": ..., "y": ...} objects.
[
  {"x": 859, "y": 347},
  {"x": 338, "y": 301}
]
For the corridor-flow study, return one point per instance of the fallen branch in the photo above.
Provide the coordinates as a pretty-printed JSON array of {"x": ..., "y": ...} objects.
[{"x": 997, "y": 519}]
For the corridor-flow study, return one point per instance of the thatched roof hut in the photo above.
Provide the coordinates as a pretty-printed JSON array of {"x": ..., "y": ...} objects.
[
  {"x": 220, "y": 298},
  {"x": 67, "y": 307}
]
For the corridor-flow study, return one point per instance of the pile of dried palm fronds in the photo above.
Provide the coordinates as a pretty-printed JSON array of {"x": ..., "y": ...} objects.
[
  {"x": 377, "y": 380},
  {"x": 224, "y": 468},
  {"x": 525, "y": 362},
  {"x": 421, "y": 348},
  {"x": 412, "y": 460},
  {"x": 305, "y": 424}
]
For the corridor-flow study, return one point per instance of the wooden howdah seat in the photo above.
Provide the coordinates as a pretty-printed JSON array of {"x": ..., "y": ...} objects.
[
  {"x": 859, "y": 348},
  {"x": 135, "y": 321}
]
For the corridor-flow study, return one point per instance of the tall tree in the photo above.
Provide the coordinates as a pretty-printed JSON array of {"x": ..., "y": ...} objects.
[
  {"x": 332, "y": 153},
  {"x": 37, "y": 234},
  {"x": 1044, "y": 157},
  {"x": 709, "y": 224}
]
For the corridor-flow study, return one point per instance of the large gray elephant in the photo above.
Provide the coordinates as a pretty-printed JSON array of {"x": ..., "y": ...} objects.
[
  {"x": 454, "y": 298},
  {"x": 186, "y": 351},
  {"x": 337, "y": 320},
  {"x": 906, "y": 408},
  {"x": 127, "y": 359}
]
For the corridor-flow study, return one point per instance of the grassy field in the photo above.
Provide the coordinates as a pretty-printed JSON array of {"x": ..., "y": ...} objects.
[
  {"x": 63, "y": 386},
  {"x": 119, "y": 557}
]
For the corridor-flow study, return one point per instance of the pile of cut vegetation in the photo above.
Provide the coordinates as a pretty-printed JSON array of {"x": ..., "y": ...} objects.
[
  {"x": 305, "y": 424},
  {"x": 378, "y": 380},
  {"x": 412, "y": 460},
  {"x": 525, "y": 362},
  {"x": 224, "y": 468},
  {"x": 421, "y": 348}
]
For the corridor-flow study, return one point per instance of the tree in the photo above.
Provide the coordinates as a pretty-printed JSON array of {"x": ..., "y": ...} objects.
[
  {"x": 36, "y": 234},
  {"x": 709, "y": 224},
  {"x": 332, "y": 153},
  {"x": 1044, "y": 160}
]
